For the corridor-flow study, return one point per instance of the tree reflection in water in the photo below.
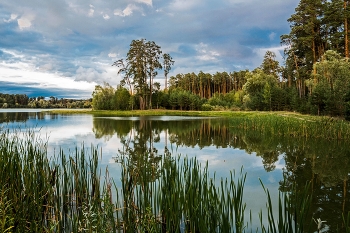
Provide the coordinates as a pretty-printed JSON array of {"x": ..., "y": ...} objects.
[{"x": 324, "y": 163}]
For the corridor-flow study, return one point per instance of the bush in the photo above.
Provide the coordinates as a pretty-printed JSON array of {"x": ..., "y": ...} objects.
[
  {"x": 219, "y": 108},
  {"x": 206, "y": 107}
]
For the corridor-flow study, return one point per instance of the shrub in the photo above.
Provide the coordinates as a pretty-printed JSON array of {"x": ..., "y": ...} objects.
[{"x": 206, "y": 107}]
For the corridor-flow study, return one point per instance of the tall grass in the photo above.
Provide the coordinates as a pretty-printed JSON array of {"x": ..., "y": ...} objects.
[
  {"x": 69, "y": 193},
  {"x": 57, "y": 194},
  {"x": 293, "y": 210},
  {"x": 295, "y": 126},
  {"x": 184, "y": 199}
]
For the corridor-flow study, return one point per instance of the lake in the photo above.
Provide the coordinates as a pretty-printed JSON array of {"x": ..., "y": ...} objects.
[{"x": 325, "y": 163}]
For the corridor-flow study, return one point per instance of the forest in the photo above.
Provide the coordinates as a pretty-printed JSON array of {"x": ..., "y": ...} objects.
[
  {"x": 314, "y": 79},
  {"x": 23, "y": 101}
]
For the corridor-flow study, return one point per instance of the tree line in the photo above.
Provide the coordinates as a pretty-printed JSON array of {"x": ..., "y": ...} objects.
[
  {"x": 23, "y": 101},
  {"x": 315, "y": 78}
]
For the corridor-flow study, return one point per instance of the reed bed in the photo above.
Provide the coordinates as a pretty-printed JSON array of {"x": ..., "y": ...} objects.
[
  {"x": 60, "y": 194},
  {"x": 294, "y": 126},
  {"x": 184, "y": 199},
  {"x": 69, "y": 193}
]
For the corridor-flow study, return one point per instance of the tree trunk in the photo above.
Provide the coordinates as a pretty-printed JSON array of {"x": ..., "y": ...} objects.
[
  {"x": 150, "y": 90},
  {"x": 166, "y": 82},
  {"x": 346, "y": 31}
]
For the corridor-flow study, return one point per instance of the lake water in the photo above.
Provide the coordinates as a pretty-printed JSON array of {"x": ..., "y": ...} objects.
[{"x": 325, "y": 163}]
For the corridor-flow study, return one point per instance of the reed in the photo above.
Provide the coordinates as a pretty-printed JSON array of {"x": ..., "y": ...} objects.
[
  {"x": 69, "y": 193},
  {"x": 184, "y": 199},
  {"x": 6, "y": 218},
  {"x": 40, "y": 193},
  {"x": 293, "y": 211},
  {"x": 346, "y": 223},
  {"x": 294, "y": 126}
]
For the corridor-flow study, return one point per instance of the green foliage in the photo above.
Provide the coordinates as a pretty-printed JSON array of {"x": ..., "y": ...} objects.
[
  {"x": 13, "y": 100},
  {"x": 184, "y": 196},
  {"x": 270, "y": 65},
  {"x": 142, "y": 65},
  {"x": 206, "y": 107},
  {"x": 184, "y": 100},
  {"x": 218, "y": 100},
  {"x": 6, "y": 212},
  {"x": 167, "y": 63},
  {"x": 122, "y": 98},
  {"x": 330, "y": 84},
  {"x": 267, "y": 95},
  {"x": 292, "y": 214},
  {"x": 259, "y": 90},
  {"x": 103, "y": 98},
  {"x": 50, "y": 193}
]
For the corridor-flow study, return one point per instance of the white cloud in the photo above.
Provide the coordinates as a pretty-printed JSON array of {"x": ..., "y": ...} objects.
[
  {"x": 106, "y": 17},
  {"x": 23, "y": 73},
  {"x": 13, "y": 17},
  {"x": 13, "y": 53},
  {"x": 25, "y": 21},
  {"x": 181, "y": 5},
  {"x": 91, "y": 12},
  {"x": 127, "y": 11},
  {"x": 147, "y": 2},
  {"x": 86, "y": 74},
  {"x": 103, "y": 72},
  {"x": 206, "y": 54},
  {"x": 272, "y": 35},
  {"x": 112, "y": 55},
  {"x": 46, "y": 67},
  {"x": 260, "y": 52}
]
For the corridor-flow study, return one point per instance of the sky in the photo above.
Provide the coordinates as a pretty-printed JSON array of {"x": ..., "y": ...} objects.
[{"x": 63, "y": 48}]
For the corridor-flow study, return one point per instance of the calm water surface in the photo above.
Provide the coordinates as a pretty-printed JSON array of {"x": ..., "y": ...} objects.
[{"x": 325, "y": 163}]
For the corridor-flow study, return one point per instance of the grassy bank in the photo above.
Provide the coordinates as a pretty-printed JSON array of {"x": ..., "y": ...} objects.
[{"x": 161, "y": 112}]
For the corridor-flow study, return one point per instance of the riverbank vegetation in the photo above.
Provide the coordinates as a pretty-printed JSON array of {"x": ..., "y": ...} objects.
[{"x": 158, "y": 193}]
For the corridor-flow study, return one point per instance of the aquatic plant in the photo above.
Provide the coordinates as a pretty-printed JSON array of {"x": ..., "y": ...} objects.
[
  {"x": 48, "y": 193},
  {"x": 294, "y": 126},
  {"x": 292, "y": 214},
  {"x": 69, "y": 193}
]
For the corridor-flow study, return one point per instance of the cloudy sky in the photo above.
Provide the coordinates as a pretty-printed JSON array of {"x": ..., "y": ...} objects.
[{"x": 65, "y": 47}]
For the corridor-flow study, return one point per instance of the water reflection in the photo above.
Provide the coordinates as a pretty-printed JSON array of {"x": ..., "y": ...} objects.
[
  {"x": 6, "y": 117},
  {"x": 324, "y": 163}
]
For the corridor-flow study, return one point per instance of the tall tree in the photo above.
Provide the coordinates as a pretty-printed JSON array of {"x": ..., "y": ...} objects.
[
  {"x": 270, "y": 65},
  {"x": 142, "y": 63},
  {"x": 136, "y": 62},
  {"x": 153, "y": 53},
  {"x": 305, "y": 42},
  {"x": 167, "y": 63},
  {"x": 335, "y": 26},
  {"x": 346, "y": 27}
]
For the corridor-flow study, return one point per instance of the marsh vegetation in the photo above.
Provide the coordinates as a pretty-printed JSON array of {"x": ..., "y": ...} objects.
[{"x": 158, "y": 191}]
